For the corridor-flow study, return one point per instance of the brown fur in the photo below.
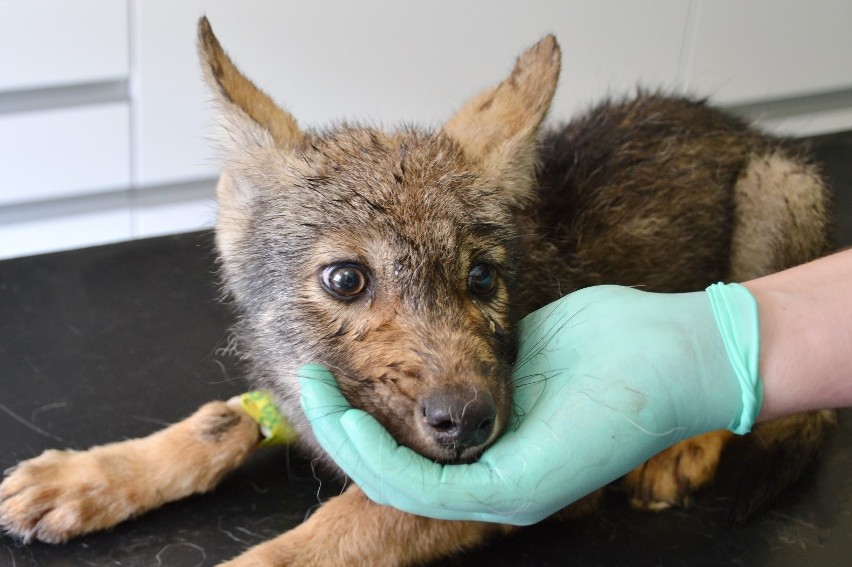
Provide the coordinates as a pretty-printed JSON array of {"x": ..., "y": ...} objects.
[
  {"x": 63, "y": 494},
  {"x": 659, "y": 192}
]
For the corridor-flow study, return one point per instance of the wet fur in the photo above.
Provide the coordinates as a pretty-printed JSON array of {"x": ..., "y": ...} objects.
[{"x": 653, "y": 191}]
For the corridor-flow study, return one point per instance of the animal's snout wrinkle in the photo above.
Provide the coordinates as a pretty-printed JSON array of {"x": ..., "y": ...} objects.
[{"x": 460, "y": 417}]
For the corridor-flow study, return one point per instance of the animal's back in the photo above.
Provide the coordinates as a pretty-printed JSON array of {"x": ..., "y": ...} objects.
[
  {"x": 671, "y": 195},
  {"x": 647, "y": 192}
]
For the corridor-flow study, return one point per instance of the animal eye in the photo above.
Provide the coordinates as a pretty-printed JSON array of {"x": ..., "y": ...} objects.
[
  {"x": 482, "y": 280},
  {"x": 344, "y": 281}
]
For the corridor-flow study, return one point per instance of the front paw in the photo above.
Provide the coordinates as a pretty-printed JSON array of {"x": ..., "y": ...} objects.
[
  {"x": 671, "y": 477},
  {"x": 62, "y": 494}
]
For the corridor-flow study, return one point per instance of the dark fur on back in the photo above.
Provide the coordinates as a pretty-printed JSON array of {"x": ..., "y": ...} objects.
[{"x": 640, "y": 192}]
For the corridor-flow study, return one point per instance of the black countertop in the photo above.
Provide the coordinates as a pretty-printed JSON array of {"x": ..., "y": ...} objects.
[{"x": 114, "y": 342}]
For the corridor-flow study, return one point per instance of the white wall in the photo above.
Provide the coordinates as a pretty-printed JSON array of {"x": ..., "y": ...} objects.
[{"x": 102, "y": 111}]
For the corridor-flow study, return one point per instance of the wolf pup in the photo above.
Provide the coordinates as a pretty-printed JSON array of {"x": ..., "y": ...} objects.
[{"x": 403, "y": 260}]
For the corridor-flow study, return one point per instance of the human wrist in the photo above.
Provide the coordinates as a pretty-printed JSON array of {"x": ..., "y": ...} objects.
[
  {"x": 735, "y": 311},
  {"x": 773, "y": 361}
]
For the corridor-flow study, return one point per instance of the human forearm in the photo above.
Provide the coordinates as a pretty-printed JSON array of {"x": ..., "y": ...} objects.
[{"x": 806, "y": 336}]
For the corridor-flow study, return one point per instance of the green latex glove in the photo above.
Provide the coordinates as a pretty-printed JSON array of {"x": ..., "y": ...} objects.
[{"x": 606, "y": 378}]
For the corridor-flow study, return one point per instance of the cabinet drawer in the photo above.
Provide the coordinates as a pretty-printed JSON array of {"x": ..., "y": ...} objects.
[
  {"x": 45, "y": 43},
  {"x": 64, "y": 232},
  {"x": 61, "y": 153},
  {"x": 769, "y": 49}
]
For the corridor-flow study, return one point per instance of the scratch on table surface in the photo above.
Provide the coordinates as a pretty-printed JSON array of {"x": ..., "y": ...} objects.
[
  {"x": 29, "y": 425},
  {"x": 256, "y": 487},
  {"x": 232, "y": 536},
  {"x": 47, "y": 407},
  {"x": 11, "y": 556},
  {"x": 795, "y": 531},
  {"x": 36, "y": 370},
  {"x": 161, "y": 562},
  {"x": 793, "y": 519},
  {"x": 249, "y": 532},
  {"x": 73, "y": 329},
  {"x": 792, "y": 535},
  {"x": 253, "y": 537},
  {"x": 154, "y": 420}
]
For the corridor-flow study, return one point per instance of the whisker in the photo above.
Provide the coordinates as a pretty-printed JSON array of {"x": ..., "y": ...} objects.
[{"x": 464, "y": 409}]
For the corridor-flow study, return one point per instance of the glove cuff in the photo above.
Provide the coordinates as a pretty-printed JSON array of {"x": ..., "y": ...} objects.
[{"x": 735, "y": 310}]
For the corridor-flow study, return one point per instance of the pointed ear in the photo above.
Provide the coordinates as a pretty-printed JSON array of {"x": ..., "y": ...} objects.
[
  {"x": 500, "y": 126},
  {"x": 254, "y": 130},
  {"x": 245, "y": 111}
]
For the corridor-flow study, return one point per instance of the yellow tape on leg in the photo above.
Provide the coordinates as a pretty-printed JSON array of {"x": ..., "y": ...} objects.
[{"x": 275, "y": 428}]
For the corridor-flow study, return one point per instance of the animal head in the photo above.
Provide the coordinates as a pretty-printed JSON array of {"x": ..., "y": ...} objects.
[{"x": 391, "y": 257}]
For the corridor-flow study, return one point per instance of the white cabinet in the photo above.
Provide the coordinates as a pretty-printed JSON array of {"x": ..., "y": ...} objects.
[
  {"x": 387, "y": 61},
  {"x": 49, "y": 43},
  {"x": 383, "y": 61},
  {"x": 65, "y": 152},
  {"x": 749, "y": 51},
  {"x": 103, "y": 115},
  {"x": 63, "y": 227},
  {"x": 64, "y": 124}
]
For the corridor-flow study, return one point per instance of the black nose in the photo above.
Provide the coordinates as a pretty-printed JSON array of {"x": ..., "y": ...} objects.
[{"x": 459, "y": 417}]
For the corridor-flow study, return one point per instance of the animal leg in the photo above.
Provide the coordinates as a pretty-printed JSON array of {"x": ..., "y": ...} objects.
[
  {"x": 62, "y": 494},
  {"x": 780, "y": 216},
  {"x": 352, "y": 530},
  {"x": 672, "y": 476}
]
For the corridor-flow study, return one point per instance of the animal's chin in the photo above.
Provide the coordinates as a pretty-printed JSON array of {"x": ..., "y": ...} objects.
[{"x": 451, "y": 456}]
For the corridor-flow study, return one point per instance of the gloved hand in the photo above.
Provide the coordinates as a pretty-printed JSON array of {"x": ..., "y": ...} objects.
[{"x": 605, "y": 378}]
